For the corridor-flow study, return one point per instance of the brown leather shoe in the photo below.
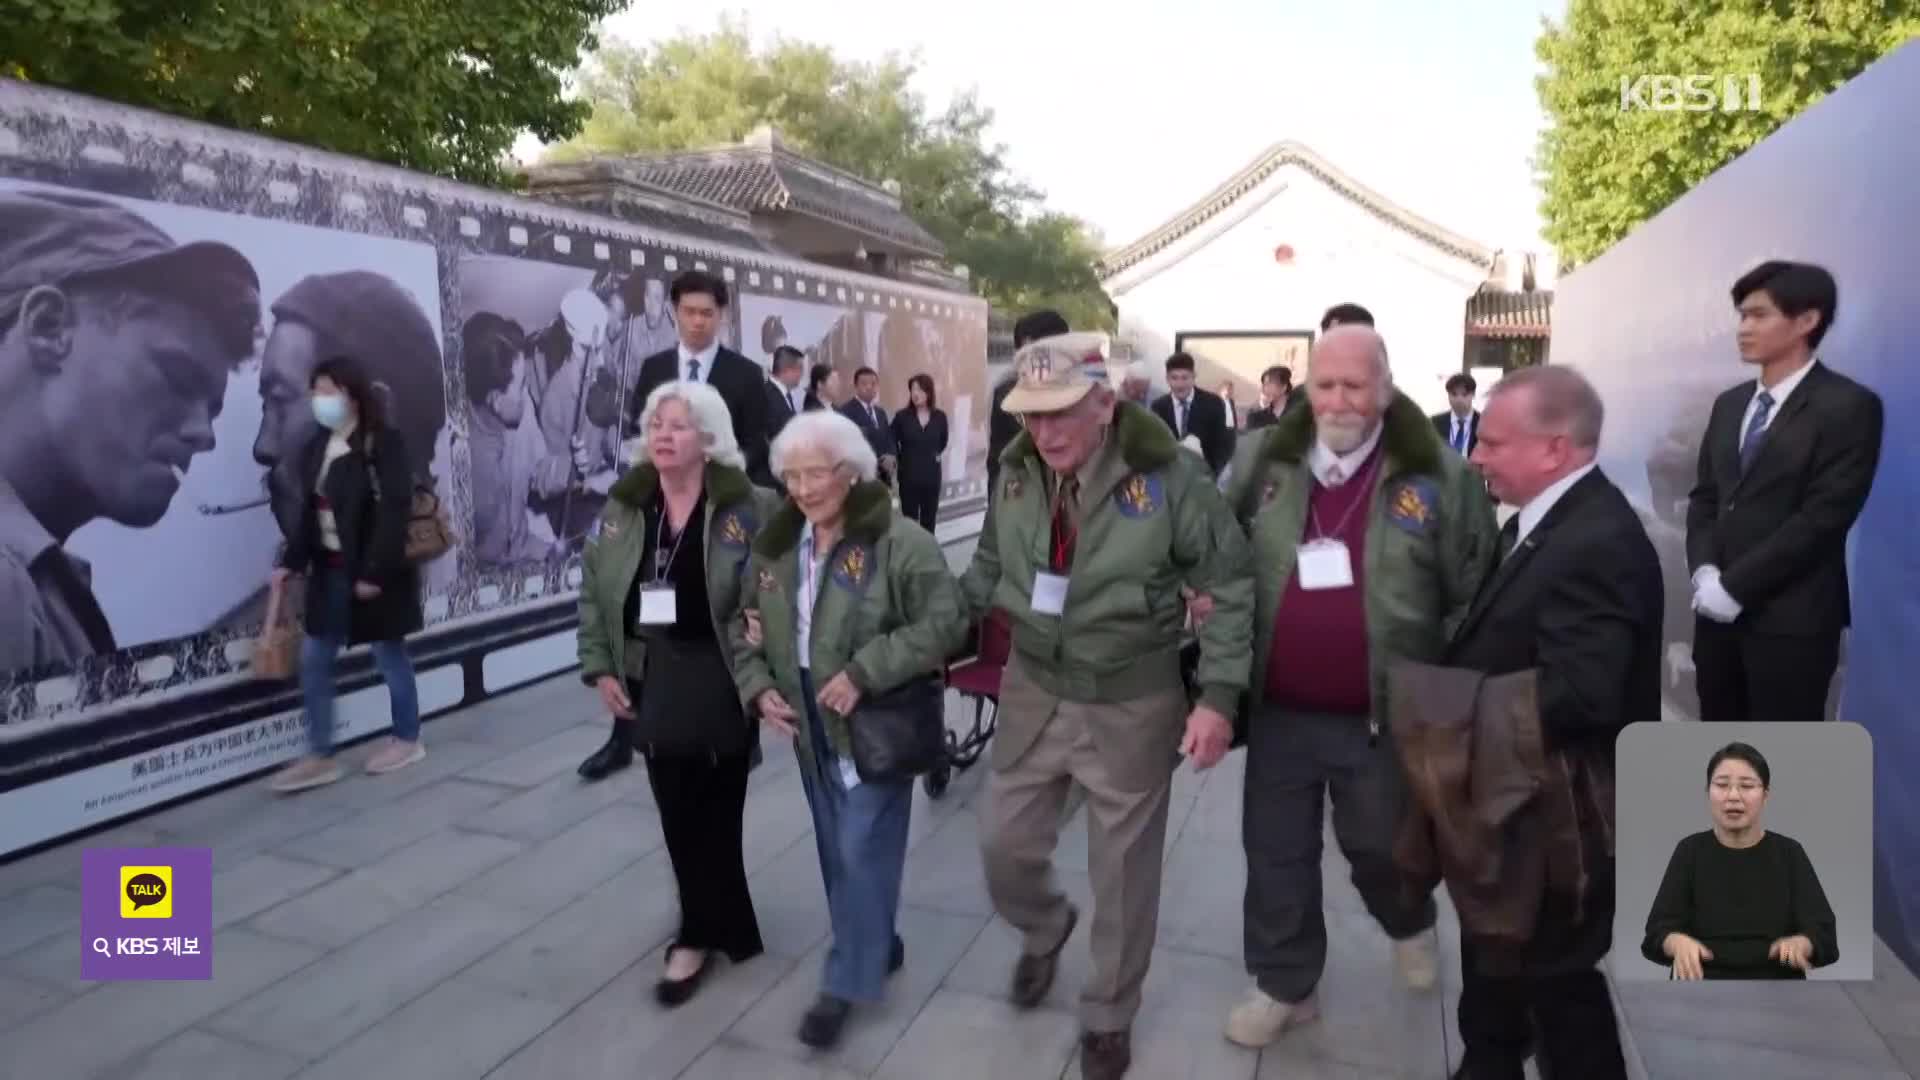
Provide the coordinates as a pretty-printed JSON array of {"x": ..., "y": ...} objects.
[
  {"x": 1105, "y": 1055},
  {"x": 1033, "y": 973}
]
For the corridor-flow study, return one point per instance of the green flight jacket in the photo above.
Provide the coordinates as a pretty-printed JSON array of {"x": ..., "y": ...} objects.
[
  {"x": 735, "y": 512},
  {"x": 1151, "y": 523},
  {"x": 885, "y": 610},
  {"x": 1430, "y": 541}
]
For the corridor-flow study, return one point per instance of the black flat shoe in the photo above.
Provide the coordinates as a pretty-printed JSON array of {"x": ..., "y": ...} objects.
[
  {"x": 897, "y": 958},
  {"x": 607, "y": 760},
  {"x": 675, "y": 992},
  {"x": 822, "y": 1025}
]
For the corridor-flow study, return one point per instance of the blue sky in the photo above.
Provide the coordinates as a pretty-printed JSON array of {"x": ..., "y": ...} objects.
[{"x": 1126, "y": 111}]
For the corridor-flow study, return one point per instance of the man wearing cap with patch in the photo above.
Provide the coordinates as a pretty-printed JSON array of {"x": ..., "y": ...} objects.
[
  {"x": 115, "y": 348},
  {"x": 1369, "y": 540},
  {"x": 1099, "y": 523}
]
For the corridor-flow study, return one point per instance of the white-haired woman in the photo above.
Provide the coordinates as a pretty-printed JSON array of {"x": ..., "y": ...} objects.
[
  {"x": 852, "y": 600},
  {"x": 659, "y": 598}
]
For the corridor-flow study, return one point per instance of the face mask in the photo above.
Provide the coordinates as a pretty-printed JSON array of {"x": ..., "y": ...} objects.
[{"x": 329, "y": 410}]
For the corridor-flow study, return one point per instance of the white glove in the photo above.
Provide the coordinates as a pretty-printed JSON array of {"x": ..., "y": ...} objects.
[{"x": 1710, "y": 598}]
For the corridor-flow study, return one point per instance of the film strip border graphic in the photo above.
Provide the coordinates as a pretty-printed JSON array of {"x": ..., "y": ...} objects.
[{"x": 62, "y": 139}]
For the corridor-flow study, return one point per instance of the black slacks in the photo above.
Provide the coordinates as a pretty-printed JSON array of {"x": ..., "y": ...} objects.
[
  {"x": 1744, "y": 675},
  {"x": 921, "y": 502},
  {"x": 702, "y": 802}
]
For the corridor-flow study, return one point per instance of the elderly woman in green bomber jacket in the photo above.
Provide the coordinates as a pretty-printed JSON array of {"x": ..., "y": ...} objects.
[
  {"x": 853, "y": 600},
  {"x": 659, "y": 616},
  {"x": 1740, "y": 901}
]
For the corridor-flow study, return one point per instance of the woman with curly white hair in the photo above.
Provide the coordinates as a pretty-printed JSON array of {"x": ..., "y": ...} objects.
[
  {"x": 855, "y": 607},
  {"x": 659, "y": 612}
]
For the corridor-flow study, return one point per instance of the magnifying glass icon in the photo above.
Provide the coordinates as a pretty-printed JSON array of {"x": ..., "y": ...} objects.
[{"x": 100, "y": 946}]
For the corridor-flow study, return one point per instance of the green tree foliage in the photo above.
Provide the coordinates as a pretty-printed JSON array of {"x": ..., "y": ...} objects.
[
  {"x": 1604, "y": 169},
  {"x": 438, "y": 87},
  {"x": 701, "y": 90}
]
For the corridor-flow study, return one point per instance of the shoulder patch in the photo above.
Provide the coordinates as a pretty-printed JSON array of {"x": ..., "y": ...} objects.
[
  {"x": 1414, "y": 505},
  {"x": 767, "y": 583},
  {"x": 1140, "y": 495},
  {"x": 733, "y": 529},
  {"x": 853, "y": 569}
]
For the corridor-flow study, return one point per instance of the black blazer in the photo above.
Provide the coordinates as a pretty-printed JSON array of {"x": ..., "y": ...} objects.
[
  {"x": 741, "y": 384},
  {"x": 880, "y": 434},
  {"x": 1779, "y": 533},
  {"x": 780, "y": 409},
  {"x": 1580, "y": 599},
  {"x": 1206, "y": 421},
  {"x": 1443, "y": 423},
  {"x": 1002, "y": 428},
  {"x": 920, "y": 447}
]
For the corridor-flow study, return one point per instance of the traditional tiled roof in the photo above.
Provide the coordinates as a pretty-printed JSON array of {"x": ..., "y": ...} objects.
[
  {"x": 762, "y": 175},
  {"x": 1498, "y": 313},
  {"x": 1275, "y": 158},
  {"x": 609, "y": 186}
]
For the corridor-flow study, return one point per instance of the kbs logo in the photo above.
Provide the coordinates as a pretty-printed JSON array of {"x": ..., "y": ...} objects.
[{"x": 1690, "y": 93}]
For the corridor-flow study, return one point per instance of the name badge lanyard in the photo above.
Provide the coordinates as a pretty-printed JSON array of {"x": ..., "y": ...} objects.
[
  {"x": 663, "y": 556},
  {"x": 1340, "y": 528}
]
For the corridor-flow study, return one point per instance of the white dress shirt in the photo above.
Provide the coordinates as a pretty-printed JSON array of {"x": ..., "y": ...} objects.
[
  {"x": 1779, "y": 391},
  {"x": 1333, "y": 469},
  {"x": 1180, "y": 407},
  {"x": 809, "y": 569},
  {"x": 706, "y": 357},
  {"x": 1461, "y": 431},
  {"x": 1538, "y": 506}
]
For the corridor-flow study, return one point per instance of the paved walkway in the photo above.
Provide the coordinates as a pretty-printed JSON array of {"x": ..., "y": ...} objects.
[{"x": 484, "y": 914}]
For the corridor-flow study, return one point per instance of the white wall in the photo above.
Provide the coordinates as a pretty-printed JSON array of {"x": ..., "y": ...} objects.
[{"x": 1224, "y": 277}]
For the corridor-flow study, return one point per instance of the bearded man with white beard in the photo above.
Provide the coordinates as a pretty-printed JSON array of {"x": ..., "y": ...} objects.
[{"x": 1369, "y": 542}]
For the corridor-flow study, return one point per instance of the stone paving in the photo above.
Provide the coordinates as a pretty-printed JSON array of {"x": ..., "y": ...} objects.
[{"x": 486, "y": 915}]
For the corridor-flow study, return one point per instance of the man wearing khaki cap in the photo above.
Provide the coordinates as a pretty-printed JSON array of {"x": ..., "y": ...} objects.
[
  {"x": 1099, "y": 524},
  {"x": 115, "y": 348}
]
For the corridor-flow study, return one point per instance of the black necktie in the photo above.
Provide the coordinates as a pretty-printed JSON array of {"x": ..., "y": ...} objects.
[
  {"x": 1509, "y": 536},
  {"x": 693, "y": 369},
  {"x": 1756, "y": 430}
]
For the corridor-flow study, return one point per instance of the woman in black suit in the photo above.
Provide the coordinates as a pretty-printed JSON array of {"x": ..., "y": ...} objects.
[{"x": 920, "y": 431}]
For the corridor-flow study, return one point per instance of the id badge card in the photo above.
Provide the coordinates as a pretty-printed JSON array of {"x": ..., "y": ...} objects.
[
  {"x": 1324, "y": 564},
  {"x": 1049, "y": 593},
  {"x": 658, "y": 606}
]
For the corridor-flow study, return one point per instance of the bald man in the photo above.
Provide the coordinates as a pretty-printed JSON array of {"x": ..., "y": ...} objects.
[{"x": 1369, "y": 541}]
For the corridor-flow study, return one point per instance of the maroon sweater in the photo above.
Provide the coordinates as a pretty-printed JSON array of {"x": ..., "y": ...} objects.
[{"x": 1318, "y": 662}]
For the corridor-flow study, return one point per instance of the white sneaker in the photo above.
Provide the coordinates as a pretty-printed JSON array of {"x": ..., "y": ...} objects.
[
  {"x": 395, "y": 754},
  {"x": 1260, "y": 1019},
  {"x": 1419, "y": 965}
]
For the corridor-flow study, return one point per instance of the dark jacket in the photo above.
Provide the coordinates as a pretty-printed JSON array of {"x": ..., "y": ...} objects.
[
  {"x": 1578, "y": 603},
  {"x": 1002, "y": 428},
  {"x": 920, "y": 447},
  {"x": 1443, "y": 424},
  {"x": 1778, "y": 532},
  {"x": 742, "y": 385},
  {"x": 1206, "y": 421},
  {"x": 879, "y": 432},
  {"x": 373, "y": 534}
]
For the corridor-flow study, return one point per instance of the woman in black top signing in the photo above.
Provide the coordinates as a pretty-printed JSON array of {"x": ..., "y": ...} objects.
[
  {"x": 920, "y": 431},
  {"x": 659, "y": 601},
  {"x": 1738, "y": 901}
]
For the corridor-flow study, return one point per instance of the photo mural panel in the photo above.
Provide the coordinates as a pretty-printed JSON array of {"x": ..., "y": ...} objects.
[{"x": 166, "y": 287}]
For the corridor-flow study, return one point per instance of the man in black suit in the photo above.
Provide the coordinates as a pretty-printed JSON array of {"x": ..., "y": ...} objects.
[
  {"x": 1785, "y": 468},
  {"x": 1576, "y": 597},
  {"x": 1190, "y": 410},
  {"x": 1276, "y": 385},
  {"x": 1003, "y": 426},
  {"x": 1459, "y": 426},
  {"x": 786, "y": 397},
  {"x": 699, "y": 308},
  {"x": 864, "y": 410}
]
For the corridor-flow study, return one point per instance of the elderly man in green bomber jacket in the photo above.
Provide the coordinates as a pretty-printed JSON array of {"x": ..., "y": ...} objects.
[
  {"x": 1100, "y": 524},
  {"x": 1369, "y": 542}
]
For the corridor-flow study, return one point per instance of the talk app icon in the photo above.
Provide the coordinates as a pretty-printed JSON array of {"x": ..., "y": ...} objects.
[{"x": 146, "y": 892}]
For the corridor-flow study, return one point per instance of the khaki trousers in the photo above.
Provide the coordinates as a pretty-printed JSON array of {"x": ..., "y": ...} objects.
[{"x": 1123, "y": 755}]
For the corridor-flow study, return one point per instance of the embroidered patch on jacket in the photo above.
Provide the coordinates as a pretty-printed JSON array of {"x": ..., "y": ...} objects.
[
  {"x": 1267, "y": 493},
  {"x": 1414, "y": 506},
  {"x": 1139, "y": 495},
  {"x": 767, "y": 584},
  {"x": 854, "y": 568},
  {"x": 1011, "y": 488},
  {"x": 733, "y": 529}
]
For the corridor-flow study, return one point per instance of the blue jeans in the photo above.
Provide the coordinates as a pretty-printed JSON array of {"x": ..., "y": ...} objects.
[
  {"x": 316, "y": 668},
  {"x": 861, "y": 835}
]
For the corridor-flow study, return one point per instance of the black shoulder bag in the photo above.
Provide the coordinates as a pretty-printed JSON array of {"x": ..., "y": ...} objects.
[{"x": 902, "y": 733}]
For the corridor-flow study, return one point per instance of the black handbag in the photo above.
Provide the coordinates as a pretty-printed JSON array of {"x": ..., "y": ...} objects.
[{"x": 902, "y": 733}]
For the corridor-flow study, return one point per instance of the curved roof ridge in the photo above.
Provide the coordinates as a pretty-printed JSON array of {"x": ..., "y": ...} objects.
[{"x": 1251, "y": 176}]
